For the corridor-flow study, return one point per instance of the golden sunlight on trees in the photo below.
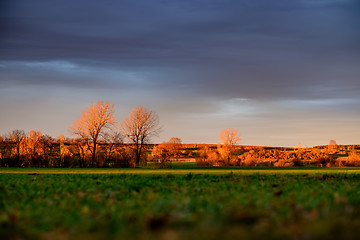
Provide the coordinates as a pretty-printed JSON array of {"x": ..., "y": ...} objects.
[
  {"x": 81, "y": 146},
  {"x": 164, "y": 152},
  {"x": 160, "y": 154},
  {"x": 17, "y": 136},
  {"x": 208, "y": 157},
  {"x": 175, "y": 145},
  {"x": 353, "y": 158},
  {"x": 31, "y": 148},
  {"x": 332, "y": 146},
  {"x": 65, "y": 152},
  {"x": 228, "y": 139},
  {"x": 46, "y": 142},
  {"x": 3, "y": 148},
  {"x": 91, "y": 124},
  {"x": 138, "y": 127}
]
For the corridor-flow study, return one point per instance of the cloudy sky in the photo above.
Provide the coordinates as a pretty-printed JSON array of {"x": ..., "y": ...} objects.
[{"x": 281, "y": 72}]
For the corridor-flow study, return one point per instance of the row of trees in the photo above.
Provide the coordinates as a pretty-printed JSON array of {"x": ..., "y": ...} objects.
[
  {"x": 108, "y": 149},
  {"x": 37, "y": 150},
  {"x": 95, "y": 126},
  {"x": 98, "y": 121},
  {"x": 25, "y": 149},
  {"x": 324, "y": 156},
  {"x": 33, "y": 149},
  {"x": 100, "y": 141}
]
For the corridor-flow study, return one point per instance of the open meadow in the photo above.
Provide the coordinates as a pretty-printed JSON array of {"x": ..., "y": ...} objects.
[
  {"x": 179, "y": 120},
  {"x": 203, "y": 203}
]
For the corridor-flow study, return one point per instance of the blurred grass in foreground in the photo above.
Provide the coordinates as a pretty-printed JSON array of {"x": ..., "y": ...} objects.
[{"x": 176, "y": 204}]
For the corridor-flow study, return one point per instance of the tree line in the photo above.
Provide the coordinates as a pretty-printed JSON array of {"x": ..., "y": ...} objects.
[
  {"x": 101, "y": 142},
  {"x": 95, "y": 128}
]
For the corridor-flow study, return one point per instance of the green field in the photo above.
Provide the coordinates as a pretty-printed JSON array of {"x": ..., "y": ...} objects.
[
  {"x": 181, "y": 171},
  {"x": 179, "y": 203}
]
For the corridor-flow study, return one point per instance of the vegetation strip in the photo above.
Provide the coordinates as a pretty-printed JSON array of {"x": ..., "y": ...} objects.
[{"x": 183, "y": 171}]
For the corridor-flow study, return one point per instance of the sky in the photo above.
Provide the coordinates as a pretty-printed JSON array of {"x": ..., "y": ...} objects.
[{"x": 281, "y": 72}]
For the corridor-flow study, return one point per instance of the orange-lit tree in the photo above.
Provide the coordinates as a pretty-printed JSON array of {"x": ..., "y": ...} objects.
[
  {"x": 46, "y": 142},
  {"x": 228, "y": 139},
  {"x": 332, "y": 146},
  {"x": 91, "y": 124},
  {"x": 31, "y": 148},
  {"x": 175, "y": 145},
  {"x": 138, "y": 127},
  {"x": 16, "y": 136},
  {"x": 165, "y": 151}
]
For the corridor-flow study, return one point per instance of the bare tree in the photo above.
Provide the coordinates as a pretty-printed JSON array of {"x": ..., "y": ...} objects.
[
  {"x": 16, "y": 136},
  {"x": 228, "y": 138},
  {"x": 31, "y": 146},
  {"x": 46, "y": 142},
  {"x": 138, "y": 127},
  {"x": 81, "y": 146},
  {"x": 112, "y": 139},
  {"x": 92, "y": 122}
]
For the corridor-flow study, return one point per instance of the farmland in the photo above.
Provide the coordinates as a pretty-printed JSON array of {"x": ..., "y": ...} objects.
[{"x": 179, "y": 203}]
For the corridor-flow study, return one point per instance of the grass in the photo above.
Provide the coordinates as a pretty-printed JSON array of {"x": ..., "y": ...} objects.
[
  {"x": 181, "y": 171},
  {"x": 177, "y": 204}
]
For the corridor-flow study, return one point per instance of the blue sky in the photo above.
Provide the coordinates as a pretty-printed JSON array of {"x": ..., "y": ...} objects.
[{"x": 281, "y": 72}]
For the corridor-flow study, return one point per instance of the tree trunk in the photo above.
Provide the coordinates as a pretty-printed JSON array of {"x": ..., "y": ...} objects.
[
  {"x": 138, "y": 156},
  {"x": 94, "y": 153},
  {"x": 18, "y": 152},
  {"x": 137, "y": 160}
]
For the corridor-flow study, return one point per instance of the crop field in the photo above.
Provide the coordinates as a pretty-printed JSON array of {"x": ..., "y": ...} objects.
[{"x": 180, "y": 203}]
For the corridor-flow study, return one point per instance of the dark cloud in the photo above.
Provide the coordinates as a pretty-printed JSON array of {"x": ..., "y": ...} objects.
[{"x": 256, "y": 49}]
